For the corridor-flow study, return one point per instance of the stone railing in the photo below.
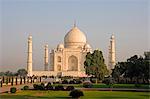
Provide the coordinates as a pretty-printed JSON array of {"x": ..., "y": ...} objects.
[{"x": 16, "y": 80}]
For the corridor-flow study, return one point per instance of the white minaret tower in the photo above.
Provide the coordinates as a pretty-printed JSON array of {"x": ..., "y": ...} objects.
[
  {"x": 112, "y": 53},
  {"x": 46, "y": 58},
  {"x": 29, "y": 58}
]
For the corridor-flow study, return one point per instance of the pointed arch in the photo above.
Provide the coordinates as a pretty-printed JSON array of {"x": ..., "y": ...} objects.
[
  {"x": 73, "y": 63},
  {"x": 58, "y": 67},
  {"x": 58, "y": 59}
]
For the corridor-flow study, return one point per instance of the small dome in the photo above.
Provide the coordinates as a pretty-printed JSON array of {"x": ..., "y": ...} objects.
[
  {"x": 75, "y": 38},
  {"x": 112, "y": 36},
  {"x": 46, "y": 45},
  {"x": 87, "y": 46},
  {"x": 60, "y": 46},
  {"x": 30, "y": 36}
]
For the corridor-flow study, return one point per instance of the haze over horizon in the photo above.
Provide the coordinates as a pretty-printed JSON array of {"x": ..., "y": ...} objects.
[{"x": 49, "y": 20}]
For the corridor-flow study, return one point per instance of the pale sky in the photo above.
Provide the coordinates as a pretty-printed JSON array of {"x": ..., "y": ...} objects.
[{"x": 49, "y": 20}]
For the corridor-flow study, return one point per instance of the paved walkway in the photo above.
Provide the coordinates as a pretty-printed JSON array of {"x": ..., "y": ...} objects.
[{"x": 7, "y": 88}]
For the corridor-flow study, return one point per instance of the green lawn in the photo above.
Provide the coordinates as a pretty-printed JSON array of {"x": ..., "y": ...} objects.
[
  {"x": 142, "y": 86},
  {"x": 64, "y": 95}
]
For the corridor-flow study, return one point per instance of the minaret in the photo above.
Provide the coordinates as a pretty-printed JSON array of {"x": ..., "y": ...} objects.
[
  {"x": 46, "y": 58},
  {"x": 112, "y": 53},
  {"x": 29, "y": 58}
]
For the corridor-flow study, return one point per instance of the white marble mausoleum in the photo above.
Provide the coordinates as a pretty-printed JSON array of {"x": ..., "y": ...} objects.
[{"x": 67, "y": 59}]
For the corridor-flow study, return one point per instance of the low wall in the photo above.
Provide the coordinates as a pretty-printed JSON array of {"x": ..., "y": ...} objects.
[
  {"x": 64, "y": 73},
  {"x": 17, "y": 80}
]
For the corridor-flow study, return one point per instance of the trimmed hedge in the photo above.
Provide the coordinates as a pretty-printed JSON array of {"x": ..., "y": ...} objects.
[
  {"x": 87, "y": 84},
  {"x": 49, "y": 86},
  {"x": 59, "y": 87},
  {"x": 109, "y": 82},
  {"x": 65, "y": 82},
  {"x": 69, "y": 88},
  {"x": 35, "y": 86},
  {"x": 76, "y": 93},
  {"x": 13, "y": 89},
  {"x": 72, "y": 82},
  {"x": 25, "y": 87},
  {"x": 39, "y": 87},
  {"x": 137, "y": 85},
  {"x": 78, "y": 81}
]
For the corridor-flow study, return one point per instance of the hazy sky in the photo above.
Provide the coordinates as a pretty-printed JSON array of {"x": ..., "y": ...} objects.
[{"x": 49, "y": 20}]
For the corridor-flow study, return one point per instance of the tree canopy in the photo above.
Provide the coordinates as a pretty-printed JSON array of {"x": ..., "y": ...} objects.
[
  {"x": 134, "y": 68},
  {"x": 20, "y": 72},
  {"x": 95, "y": 64}
]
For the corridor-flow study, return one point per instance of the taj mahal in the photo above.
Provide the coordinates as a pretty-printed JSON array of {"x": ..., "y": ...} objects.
[{"x": 67, "y": 59}]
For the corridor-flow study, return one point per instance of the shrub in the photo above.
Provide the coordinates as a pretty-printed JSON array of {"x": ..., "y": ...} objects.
[
  {"x": 49, "y": 86},
  {"x": 38, "y": 87},
  {"x": 42, "y": 84},
  {"x": 69, "y": 88},
  {"x": 59, "y": 87},
  {"x": 64, "y": 82},
  {"x": 93, "y": 80},
  {"x": 6, "y": 92},
  {"x": 25, "y": 87},
  {"x": 137, "y": 85},
  {"x": 49, "y": 83},
  {"x": 87, "y": 84},
  {"x": 109, "y": 81},
  {"x": 35, "y": 86},
  {"x": 72, "y": 82},
  {"x": 76, "y": 93},
  {"x": 41, "y": 87},
  {"x": 78, "y": 81},
  {"x": 13, "y": 89}
]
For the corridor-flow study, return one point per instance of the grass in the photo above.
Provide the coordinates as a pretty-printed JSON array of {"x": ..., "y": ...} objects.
[
  {"x": 75, "y": 85},
  {"x": 142, "y": 86},
  {"x": 65, "y": 95}
]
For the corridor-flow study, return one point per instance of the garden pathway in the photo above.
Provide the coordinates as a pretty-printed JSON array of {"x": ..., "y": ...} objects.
[{"x": 7, "y": 88}]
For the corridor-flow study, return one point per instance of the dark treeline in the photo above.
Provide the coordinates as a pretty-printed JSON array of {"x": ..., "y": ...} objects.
[
  {"x": 133, "y": 70},
  {"x": 20, "y": 72}
]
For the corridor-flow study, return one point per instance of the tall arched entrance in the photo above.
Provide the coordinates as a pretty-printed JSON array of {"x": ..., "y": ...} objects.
[{"x": 72, "y": 63}]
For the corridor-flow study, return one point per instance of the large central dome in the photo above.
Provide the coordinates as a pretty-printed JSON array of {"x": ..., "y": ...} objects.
[{"x": 75, "y": 38}]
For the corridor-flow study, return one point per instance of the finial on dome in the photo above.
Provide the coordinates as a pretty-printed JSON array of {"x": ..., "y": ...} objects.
[{"x": 74, "y": 23}]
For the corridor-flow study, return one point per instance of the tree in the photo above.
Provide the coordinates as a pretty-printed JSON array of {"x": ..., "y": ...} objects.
[
  {"x": 147, "y": 56},
  {"x": 146, "y": 66},
  {"x": 2, "y": 74},
  {"x": 8, "y": 73},
  {"x": 22, "y": 72},
  {"x": 119, "y": 70},
  {"x": 135, "y": 68},
  {"x": 95, "y": 64}
]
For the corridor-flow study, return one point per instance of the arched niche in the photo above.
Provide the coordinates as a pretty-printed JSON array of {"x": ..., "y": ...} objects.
[
  {"x": 58, "y": 59},
  {"x": 73, "y": 63},
  {"x": 58, "y": 67}
]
